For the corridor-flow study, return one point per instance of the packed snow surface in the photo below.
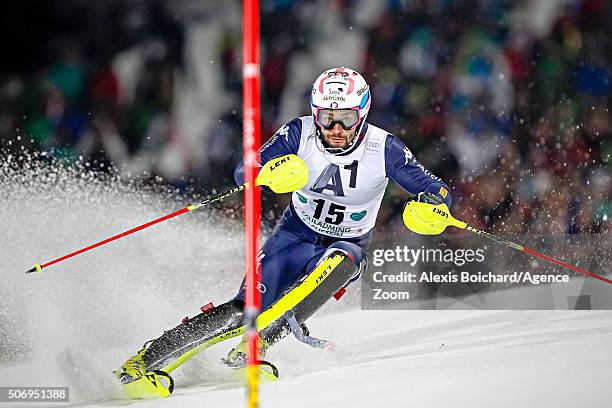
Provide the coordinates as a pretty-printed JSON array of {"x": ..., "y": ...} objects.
[{"x": 76, "y": 322}]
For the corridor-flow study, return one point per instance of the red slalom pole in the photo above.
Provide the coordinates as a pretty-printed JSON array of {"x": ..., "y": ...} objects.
[
  {"x": 252, "y": 203},
  {"x": 192, "y": 207}
]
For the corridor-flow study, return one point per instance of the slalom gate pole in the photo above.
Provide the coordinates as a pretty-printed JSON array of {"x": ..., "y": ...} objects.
[
  {"x": 251, "y": 140},
  {"x": 192, "y": 207}
]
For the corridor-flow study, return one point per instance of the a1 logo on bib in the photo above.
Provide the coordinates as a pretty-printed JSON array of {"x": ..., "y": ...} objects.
[{"x": 330, "y": 179}]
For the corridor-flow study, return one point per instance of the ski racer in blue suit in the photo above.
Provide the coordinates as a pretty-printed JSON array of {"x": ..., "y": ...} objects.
[{"x": 349, "y": 163}]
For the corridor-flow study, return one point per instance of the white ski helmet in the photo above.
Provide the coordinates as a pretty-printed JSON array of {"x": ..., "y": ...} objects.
[{"x": 340, "y": 95}]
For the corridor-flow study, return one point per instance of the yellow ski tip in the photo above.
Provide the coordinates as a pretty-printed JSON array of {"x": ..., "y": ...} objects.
[
  {"x": 263, "y": 372},
  {"x": 154, "y": 384}
]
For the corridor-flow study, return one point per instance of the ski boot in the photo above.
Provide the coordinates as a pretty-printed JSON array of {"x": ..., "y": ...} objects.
[
  {"x": 145, "y": 375},
  {"x": 140, "y": 383}
]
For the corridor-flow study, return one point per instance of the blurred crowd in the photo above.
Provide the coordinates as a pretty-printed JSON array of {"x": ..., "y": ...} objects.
[
  {"x": 508, "y": 101},
  {"x": 90, "y": 82},
  {"x": 515, "y": 120}
]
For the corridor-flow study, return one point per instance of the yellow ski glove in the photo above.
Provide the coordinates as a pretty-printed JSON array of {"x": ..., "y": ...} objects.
[
  {"x": 428, "y": 215},
  {"x": 283, "y": 174}
]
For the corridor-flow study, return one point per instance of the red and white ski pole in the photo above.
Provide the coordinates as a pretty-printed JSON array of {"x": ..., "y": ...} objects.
[
  {"x": 192, "y": 207},
  {"x": 537, "y": 254},
  {"x": 444, "y": 215}
]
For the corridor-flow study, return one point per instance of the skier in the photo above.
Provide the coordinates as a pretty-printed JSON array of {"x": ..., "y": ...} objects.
[{"x": 337, "y": 167}]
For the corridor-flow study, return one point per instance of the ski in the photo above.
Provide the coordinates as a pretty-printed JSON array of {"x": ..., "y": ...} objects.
[
  {"x": 267, "y": 372},
  {"x": 153, "y": 384},
  {"x": 155, "y": 381}
]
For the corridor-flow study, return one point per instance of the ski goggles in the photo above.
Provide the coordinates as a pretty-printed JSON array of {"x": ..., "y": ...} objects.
[{"x": 347, "y": 118}]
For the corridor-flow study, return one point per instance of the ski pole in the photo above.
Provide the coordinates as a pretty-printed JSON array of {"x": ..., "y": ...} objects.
[
  {"x": 216, "y": 197},
  {"x": 460, "y": 224}
]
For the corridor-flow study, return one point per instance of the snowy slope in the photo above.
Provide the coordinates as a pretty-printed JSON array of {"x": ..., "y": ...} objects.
[
  {"x": 437, "y": 359},
  {"x": 428, "y": 359},
  {"x": 75, "y": 323}
]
